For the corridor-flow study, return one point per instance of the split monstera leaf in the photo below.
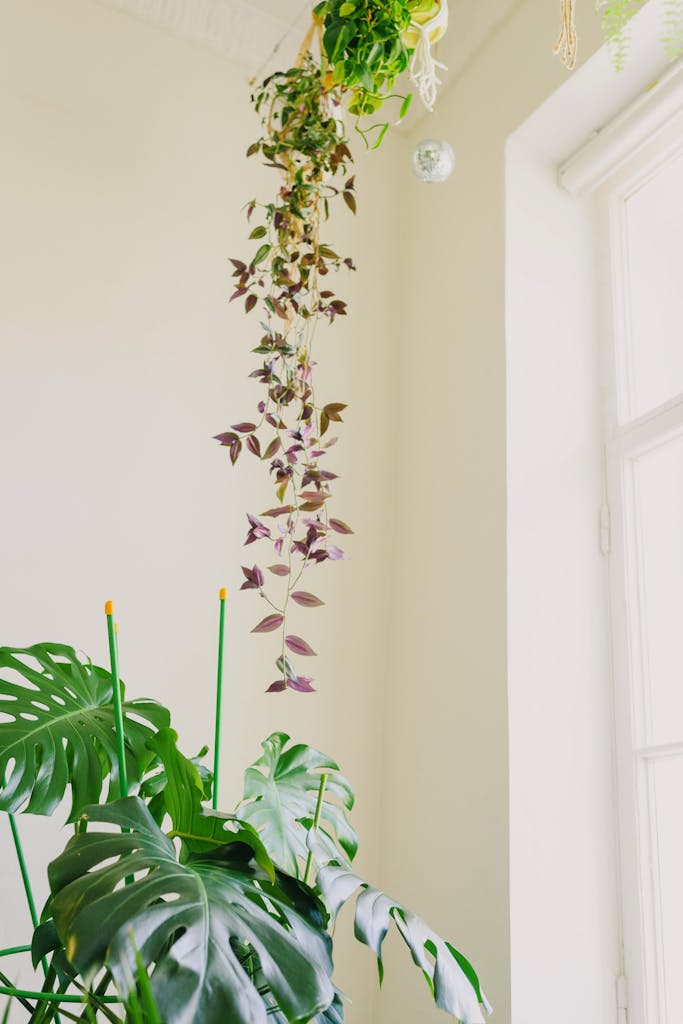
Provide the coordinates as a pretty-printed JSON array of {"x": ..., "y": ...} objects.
[{"x": 188, "y": 914}]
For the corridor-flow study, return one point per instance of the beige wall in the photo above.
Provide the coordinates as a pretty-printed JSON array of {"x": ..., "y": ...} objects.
[{"x": 445, "y": 833}]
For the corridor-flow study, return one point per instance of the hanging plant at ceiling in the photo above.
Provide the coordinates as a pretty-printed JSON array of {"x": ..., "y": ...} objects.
[
  {"x": 288, "y": 284},
  {"x": 162, "y": 908},
  {"x": 615, "y": 16}
]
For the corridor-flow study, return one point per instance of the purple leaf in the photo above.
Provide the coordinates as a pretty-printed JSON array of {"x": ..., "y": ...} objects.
[
  {"x": 302, "y": 684},
  {"x": 340, "y": 526},
  {"x": 277, "y": 687},
  {"x": 282, "y": 510},
  {"x": 279, "y": 570},
  {"x": 254, "y": 578},
  {"x": 227, "y": 438},
  {"x": 244, "y": 428},
  {"x": 307, "y": 600},
  {"x": 335, "y": 553},
  {"x": 235, "y": 449},
  {"x": 269, "y": 624},
  {"x": 254, "y": 446},
  {"x": 299, "y": 646}
]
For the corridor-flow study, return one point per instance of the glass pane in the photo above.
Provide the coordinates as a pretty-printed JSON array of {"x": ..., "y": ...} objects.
[
  {"x": 659, "y": 497},
  {"x": 668, "y": 777},
  {"x": 654, "y": 222}
]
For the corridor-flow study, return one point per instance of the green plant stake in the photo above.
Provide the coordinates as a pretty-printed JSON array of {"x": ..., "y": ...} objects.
[
  {"x": 24, "y": 871},
  {"x": 118, "y": 712},
  {"x": 316, "y": 823},
  {"x": 219, "y": 696},
  {"x": 29, "y": 894}
]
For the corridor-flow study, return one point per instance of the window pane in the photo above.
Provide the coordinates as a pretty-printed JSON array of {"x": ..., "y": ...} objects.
[
  {"x": 668, "y": 778},
  {"x": 659, "y": 497},
  {"x": 654, "y": 223}
]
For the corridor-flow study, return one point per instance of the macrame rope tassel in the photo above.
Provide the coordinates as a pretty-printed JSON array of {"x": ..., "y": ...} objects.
[
  {"x": 423, "y": 65},
  {"x": 567, "y": 45}
]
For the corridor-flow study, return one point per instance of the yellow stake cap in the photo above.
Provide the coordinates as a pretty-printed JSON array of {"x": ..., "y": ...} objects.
[
  {"x": 223, "y": 593},
  {"x": 109, "y": 608},
  {"x": 116, "y": 627}
]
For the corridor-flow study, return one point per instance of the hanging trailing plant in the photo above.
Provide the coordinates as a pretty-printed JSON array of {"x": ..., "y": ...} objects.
[
  {"x": 286, "y": 284},
  {"x": 615, "y": 16}
]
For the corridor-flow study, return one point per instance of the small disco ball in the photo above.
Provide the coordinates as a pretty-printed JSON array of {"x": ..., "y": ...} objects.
[{"x": 433, "y": 161}]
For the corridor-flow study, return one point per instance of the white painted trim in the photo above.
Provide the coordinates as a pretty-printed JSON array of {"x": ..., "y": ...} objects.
[
  {"x": 637, "y": 125},
  {"x": 627, "y": 440}
]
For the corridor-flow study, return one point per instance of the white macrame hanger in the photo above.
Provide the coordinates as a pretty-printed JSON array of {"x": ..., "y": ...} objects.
[{"x": 423, "y": 65}]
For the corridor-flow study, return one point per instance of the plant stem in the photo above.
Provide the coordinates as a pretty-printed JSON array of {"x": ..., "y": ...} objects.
[
  {"x": 219, "y": 697},
  {"x": 27, "y": 882},
  {"x": 316, "y": 823},
  {"x": 118, "y": 710}
]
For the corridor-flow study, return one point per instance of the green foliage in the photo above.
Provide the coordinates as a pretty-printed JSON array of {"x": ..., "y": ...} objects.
[
  {"x": 280, "y": 795},
  {"x": 60, "y": 732},
  {"x": 673, "y": 28},
  {"x": 451, "y": 978},
  {"x": 362, "y": 42},
  {"x": 186, "y": 918},
  {"x": 199, "y": 830},
  {"x": 616, "y": 15}
]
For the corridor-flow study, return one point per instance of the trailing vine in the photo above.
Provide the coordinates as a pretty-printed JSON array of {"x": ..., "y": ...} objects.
[
  {"x": 286, "y": 285},
  {"x": 615, "y": 16}
]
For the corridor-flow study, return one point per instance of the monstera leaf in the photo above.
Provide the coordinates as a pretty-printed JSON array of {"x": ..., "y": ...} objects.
[
  {"x": 280, "y": 796},
  {"x": 199, "y": 829},
  {"x": 451, "y": 978},
  {"x": 190, "y": 921},
  {"x": 61, "y": 730}
]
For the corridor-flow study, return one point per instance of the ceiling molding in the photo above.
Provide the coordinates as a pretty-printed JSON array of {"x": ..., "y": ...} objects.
[{"x": 228, "y": 27}]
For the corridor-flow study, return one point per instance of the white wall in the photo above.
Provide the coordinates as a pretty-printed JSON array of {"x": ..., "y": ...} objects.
[{"x": 122, "y": 178}]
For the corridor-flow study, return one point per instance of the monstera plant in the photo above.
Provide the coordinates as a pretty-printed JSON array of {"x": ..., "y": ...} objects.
[{"x": 162, "y": 908}]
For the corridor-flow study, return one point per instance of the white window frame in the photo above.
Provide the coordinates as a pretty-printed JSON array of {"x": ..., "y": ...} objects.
[
  {"x": 565, "y": 915},
  {"x": 626, "y": 440}
]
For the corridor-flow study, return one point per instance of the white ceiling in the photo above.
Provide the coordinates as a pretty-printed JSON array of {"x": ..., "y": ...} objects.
[{"x": 248, "y": 30}]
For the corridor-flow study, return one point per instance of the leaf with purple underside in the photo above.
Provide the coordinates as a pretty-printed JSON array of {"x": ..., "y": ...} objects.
[
  {"x": 340, "y": 526},
  {"x": 306, "y": 600},
  {"x": 269, "y": 624},
  {"x": 299, "y": 646},
  {"x": 302, "y": 684}
]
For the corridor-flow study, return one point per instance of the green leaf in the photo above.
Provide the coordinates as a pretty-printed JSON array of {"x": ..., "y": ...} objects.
[
  {"x": 336, "y": 38},
  {"x": 188, "y": 920},
  {"x": 198, "y": 829},
  {"x": 280, "y": 796},
  {"x": 261, "y": 254},
  {"x": 405, "y": 106},
  {"x": 62, "y": 730},
  {"x": 450, "y": 976},
  {"x": 259, "y": 232},
  {"x": 346, "y": 9}
]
